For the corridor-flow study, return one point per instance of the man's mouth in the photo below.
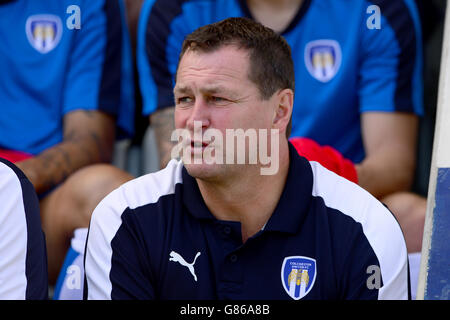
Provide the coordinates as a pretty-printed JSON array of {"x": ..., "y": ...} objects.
[{"x": 196, "y": 145}]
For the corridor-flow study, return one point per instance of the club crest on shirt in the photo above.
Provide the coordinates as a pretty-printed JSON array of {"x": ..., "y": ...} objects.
[
  {"x": 323, "y": 59},
  {"x": 44, "y": 31},
  {"x": 298, "y": 275}
]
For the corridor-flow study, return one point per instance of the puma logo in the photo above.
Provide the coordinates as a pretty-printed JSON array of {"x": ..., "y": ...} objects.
[{"x": 177, "y": 258}]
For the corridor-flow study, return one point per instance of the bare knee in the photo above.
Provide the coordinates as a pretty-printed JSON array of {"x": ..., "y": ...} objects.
[
  {"x": 70, "y": 207},
  {"x": 83, "y": 190},
  {"x": 405, "y": 204},
  {"x": 410, "y": 210}
]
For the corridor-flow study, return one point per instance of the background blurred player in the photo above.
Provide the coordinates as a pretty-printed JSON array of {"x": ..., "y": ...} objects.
[{"x": 66, "y": 93}]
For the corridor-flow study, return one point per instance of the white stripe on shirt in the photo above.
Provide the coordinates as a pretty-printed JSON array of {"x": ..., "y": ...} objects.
[
  {"x": 379, "y": 226},
  {"x": 106, "y": 221},
  {"x": 13, "y": 236}
]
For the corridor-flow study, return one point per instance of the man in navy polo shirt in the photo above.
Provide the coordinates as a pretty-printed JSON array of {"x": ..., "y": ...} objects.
[
  {"x": 359, "y": 63},
  {"x": 226, "y": 230}
]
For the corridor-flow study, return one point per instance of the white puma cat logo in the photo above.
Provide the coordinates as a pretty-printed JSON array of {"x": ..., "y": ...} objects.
[{"x": 177, "y": 258}]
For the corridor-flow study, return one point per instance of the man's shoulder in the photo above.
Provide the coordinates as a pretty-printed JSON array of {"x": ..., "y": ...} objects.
[
  {"x": 348, "y": 198},
  {"x": 137, "y": 196},
  {"x": 24, "y": 257},
  {"x": 145, "y": 189},
  {"x": 11, "y": 192},
  {"x": 14, "y": 184},
  {"x": 377, "y": 223},
  {"x": 9, "y": 170}
]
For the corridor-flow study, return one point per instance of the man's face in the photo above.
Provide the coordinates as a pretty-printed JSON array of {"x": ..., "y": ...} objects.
[{"x": 214, "y": 89}]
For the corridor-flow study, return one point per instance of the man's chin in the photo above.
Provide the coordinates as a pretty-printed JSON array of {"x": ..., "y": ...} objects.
[{"x": 204, "y": 171}]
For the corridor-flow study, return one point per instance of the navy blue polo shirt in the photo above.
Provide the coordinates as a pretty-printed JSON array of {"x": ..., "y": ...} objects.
[{"x": 154, "y": 238}]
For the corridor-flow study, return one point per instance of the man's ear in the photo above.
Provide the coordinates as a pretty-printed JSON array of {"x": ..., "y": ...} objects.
[{"x": 283, "y": 111}]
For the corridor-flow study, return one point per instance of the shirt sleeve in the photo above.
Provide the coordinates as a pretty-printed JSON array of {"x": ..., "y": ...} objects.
[
  {"x": 372, "y": 262},
  {"x": 23, "y": 262},
  {"x": 368, "y": 275},
  {"x": 377, "y": 263},
  {"x": 99, "y": 74},
  {"x": 114, "y": 264},
  {"x": 390, "y": 76}
]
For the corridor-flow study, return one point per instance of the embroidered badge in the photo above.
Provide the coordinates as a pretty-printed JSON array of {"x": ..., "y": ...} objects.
[
  {"x": 323, "y": 59},
  {"x": 298, "y": 275},
  {"x": 43, "y": 31}
]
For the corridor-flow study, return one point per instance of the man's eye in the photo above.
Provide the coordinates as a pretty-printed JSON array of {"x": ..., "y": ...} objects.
[
  {"x": 218, "y": 99},
  {"x": 182, "y": 100}
]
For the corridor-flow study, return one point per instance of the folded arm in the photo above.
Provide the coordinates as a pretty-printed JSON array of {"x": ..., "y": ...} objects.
[
  {"x": 88, "y": 138},
  {"x": 390, "y": 144}
]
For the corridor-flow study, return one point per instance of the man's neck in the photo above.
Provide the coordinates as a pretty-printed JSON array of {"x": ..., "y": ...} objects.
[
  {"x": 249, "y": 199},
  {"x": 275, "y": 14}
]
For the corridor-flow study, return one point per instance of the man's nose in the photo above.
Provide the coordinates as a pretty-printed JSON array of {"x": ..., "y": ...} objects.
[{"x": 200, "y": 113}]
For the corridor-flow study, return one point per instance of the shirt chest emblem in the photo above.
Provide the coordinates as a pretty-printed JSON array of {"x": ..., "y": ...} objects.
[
  {"x": 43, "y": 31},
  {"x": 323, "y": 59},
  {"x": 176, "y": 257},
  {"x": 298, "y": 275}
]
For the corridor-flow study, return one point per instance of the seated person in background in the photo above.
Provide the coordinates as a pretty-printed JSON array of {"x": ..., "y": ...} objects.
[
  {"x": 23, "y": 257},
  {"x": 360, "y": 86},
  {"x": 66, "y": 94},
  {"x": 202, "y": 230}
]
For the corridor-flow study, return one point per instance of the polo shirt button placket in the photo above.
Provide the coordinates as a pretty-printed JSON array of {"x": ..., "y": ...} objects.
[{"x": 227, "y": 230}]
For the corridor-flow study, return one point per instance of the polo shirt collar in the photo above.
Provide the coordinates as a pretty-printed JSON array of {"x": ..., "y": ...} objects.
[
  {"x": 291, "y": 208},
  {"x": 192, "y": 198},
  {"x": 296, "y": 196}
]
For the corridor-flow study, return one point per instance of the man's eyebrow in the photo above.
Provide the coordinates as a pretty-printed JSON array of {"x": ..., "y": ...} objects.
[
  {"x": 215, "y": 89},
  {"x": 206, "y": 90},
  {"x": 181, "y": 89}
]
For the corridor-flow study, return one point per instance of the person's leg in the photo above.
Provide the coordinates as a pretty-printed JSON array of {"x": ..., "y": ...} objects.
[
  {"x": 410, "y": 210},
  {"x": 70, "y": 207}
]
